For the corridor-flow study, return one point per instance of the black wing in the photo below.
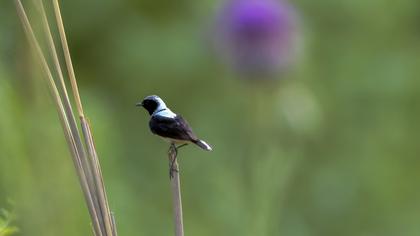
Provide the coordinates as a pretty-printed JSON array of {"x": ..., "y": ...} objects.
[{"x": 175, "y": 128}]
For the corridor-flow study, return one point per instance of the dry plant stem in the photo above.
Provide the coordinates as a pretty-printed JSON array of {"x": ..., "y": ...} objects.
[
  {"x": 176, "y": 192},
  {"x": 72, "y": 121},
  {"x": 99, "y": 184},
  {"x": 88, "y": 169},
  {"x": 114, "y": 225},
  {"x": 60, "y": 109},
  {"x": 53, "y": 51},
  {"x": 67, "y": 105},
  {"x": 67, "y": 57},
  {"x": 93, "y": 164}
]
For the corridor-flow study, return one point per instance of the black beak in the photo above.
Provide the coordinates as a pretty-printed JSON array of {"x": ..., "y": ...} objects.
[{"x": 140, "y": 104}]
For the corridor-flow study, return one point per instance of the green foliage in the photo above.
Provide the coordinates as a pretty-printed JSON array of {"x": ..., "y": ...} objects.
[{"x": 6, "y": 219}]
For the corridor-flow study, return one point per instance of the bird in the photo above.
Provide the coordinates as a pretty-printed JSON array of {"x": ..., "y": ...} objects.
[{"x": 170, "y": 126}]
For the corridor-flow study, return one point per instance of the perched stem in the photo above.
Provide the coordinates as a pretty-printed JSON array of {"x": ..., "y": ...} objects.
[{"x": 176, "y": 191}]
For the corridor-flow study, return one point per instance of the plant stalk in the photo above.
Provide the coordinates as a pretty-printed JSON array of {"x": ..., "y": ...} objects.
[
  {"x": 85, "y": 157},
  {"x": 176, "y": 192}
]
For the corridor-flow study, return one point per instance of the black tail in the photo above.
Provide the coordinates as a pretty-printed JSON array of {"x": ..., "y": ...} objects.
[{"x": 202, "y": 144}]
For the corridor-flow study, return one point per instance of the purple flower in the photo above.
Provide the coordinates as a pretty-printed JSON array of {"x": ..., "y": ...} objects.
[{"x": 257, "y": 37}]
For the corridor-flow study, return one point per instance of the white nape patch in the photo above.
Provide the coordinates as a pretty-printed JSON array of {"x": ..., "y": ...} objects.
[
  {"x": 161, "y": 103},
  {"x": 163, "y": 110},
  {"x": 165, "y": 113}
]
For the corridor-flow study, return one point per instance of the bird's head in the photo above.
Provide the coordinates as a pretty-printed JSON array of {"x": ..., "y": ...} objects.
[{"x": 152, "y": 103}]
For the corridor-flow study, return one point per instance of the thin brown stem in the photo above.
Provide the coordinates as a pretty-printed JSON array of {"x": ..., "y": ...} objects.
[
  {"x": 86, "y": 161},
  {"x": 70, "y": 138},
  {"x": 92, "y": 163},
  {"x": 98, "y": 179},
  {"x": 67, "y": 57}
]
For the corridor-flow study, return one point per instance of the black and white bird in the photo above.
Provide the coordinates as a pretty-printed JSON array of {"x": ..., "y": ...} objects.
[{"x": 168, "y": 125}]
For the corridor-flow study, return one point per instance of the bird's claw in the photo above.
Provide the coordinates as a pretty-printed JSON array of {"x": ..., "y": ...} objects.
[
  {"x": 173, "y": 152},
  {"x": 172, "y": 171}
]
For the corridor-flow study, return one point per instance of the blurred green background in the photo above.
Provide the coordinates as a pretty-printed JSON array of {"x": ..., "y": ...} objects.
[{"x": 333, "y": 149}]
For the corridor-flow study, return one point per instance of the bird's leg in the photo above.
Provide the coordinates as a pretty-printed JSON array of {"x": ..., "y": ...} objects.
[
  {"x": 172, "y": 149},
  {"x": 173, "y": 152},
  {"x": 182, "y": 145}
]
